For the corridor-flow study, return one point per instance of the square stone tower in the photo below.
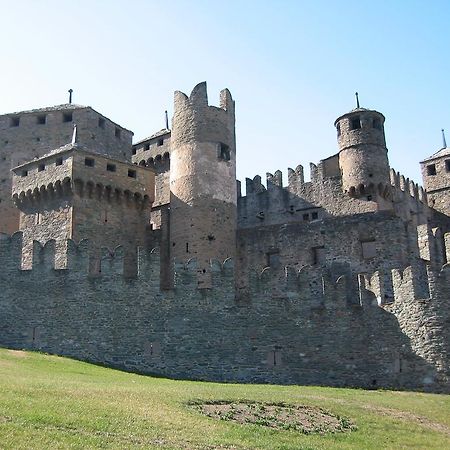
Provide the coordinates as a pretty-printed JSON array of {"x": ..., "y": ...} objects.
[{"x": 74, "y": 193}]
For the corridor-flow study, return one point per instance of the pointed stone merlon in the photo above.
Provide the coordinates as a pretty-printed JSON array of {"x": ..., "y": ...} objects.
[
  {"x": 296, "y": 177},
  {"x": 274, "y": 180},
  {"x": 254, "y": 186}
]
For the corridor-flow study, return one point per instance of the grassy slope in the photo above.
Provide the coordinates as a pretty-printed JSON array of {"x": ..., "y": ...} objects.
[{"x": 52, "y": 402}]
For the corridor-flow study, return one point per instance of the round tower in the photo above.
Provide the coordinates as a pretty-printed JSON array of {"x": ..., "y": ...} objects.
[
  {"x": 363, "y": 157},
  {"x": 203, "y": 195}
]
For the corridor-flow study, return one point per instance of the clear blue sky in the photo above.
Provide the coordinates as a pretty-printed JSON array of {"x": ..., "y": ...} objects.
[{"x": 292, "y": 67}]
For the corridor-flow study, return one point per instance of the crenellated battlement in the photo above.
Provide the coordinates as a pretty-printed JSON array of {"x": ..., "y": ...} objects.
[{"x": 408, "y": 187}]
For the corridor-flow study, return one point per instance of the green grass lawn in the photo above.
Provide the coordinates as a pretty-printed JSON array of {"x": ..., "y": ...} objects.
[{"x": 48, "y": 402}]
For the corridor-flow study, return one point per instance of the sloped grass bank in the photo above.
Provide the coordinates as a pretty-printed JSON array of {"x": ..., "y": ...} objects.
[{"x": 52, "y": 402}]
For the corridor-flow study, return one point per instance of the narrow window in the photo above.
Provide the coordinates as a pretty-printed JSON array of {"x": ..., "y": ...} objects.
[
  {"x": 59, "y": 162},
  {"x": 306, "y": 217},
  {"x": 187, "y": 247},
  {"x": 319, "y": 255},
  {"x": 67, "y": 117},
  {"x": 369, "y": 249},
  {"x": 376, "y": 124},
  {"x": 133, "y": 151},
  {"x": 355, "y": 123},
  {"x": 101, "y": 122},
  {"x": 117, "y": 133},
  {"x": 41, "y": 120},
  {"x": 273, "y": 259},
  {"x": 160, "y": 142},
  {"x": 338, "y": 128},
  {"x": 14, "y": 121},
  {"x": 447, "y": 165},
  {"x": 89, "y": 162},
  {"x": 315, "y": 216},
  {"x": 41, "y": 167},
  {"x": 431, "y": 169},
  {"x": 131, "y": 173},
  {"x": 224, "y": 152},
  {"x": 147, "y": 147},
  {"x": 111, "y": 167}
]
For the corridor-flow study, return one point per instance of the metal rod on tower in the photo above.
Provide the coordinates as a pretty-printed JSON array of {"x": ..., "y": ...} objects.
[
  {"x": 167, "y": 120},
  {"x": 357, "y": 99},
  {"x": 444, "y": 142},
  {"x": 70, "y": 95}
]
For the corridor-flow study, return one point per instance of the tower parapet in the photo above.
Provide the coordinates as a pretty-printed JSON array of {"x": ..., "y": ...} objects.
[{"x": 363, "y": 157}]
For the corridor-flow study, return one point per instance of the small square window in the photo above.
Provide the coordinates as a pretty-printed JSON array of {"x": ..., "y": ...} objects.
[
  {"x": 447, "y": 165},
  {"x": 14, "y": 121},
  {"x": 431, "y": 169},
  {"x": 117, "y": 132},
  {"x": 355, "y": 123},
  {"x": 147, "y": 147},
  {"x": 101, "y": 122},
  {"x": 89, "y": 162},
  {"x": 59, "y": 162},
  {"x": 111, "y": 167},
  {"x": 41, "y": 120},
  {"x": 273, "y": 259},
  {"x": 369, "y": 249},
  {"x": 131, "y": 173},
  {"x": 315, "y": 215},
  {"x": 41, "y": 167},
  {"x": 67, "y": 117},
  {"x": 160, "y": 142},
  {"x": 306, "y": 217},
  {"x": 24, "y": 173}
]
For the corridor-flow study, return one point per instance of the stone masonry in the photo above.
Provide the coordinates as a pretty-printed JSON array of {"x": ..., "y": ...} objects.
[{"x": 149, "y": 257}]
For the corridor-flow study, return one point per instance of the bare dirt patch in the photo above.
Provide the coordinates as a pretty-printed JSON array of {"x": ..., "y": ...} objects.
[
  {"x": 18, "y": 353},
  {"x": 281, "y": 416}
]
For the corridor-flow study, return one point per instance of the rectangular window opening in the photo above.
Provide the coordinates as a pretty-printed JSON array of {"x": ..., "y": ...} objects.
[
  {"x": 101, "y": 122},
  {"x": 131, "y": 173},
  {"x": 24, "y": 173},
  {"x": 67, "y": 117},
  {"x": 369, "y": 249},
  {"x": 14, "y": 121},
  {"x": 355, "y": 123},
  {"x": 314, "y": 215},
  {"x": 117, "y": 133},
  {"x": 147, "y": 147},
  {"x": 273, "y": 259},
  {"x": 41, "y": 120},
  {"x": 111, "y": 167},
  {"x": 431, "y": 169},
  {"x": 160, "y": 142},
  {"x": 447, "y": 165},
  {"x": 59, "y": 162},
  {"x": 89, "y": 162},
  {"x": 319, "y": 255},
  {"x": 41, "y": 167},
  {"x": 224, "y": 152}
]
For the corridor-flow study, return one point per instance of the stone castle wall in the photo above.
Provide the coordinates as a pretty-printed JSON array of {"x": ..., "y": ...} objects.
[{"x": 311, "y": 327}]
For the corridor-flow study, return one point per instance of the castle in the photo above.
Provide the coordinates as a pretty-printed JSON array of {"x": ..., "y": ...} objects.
[{"x": 147, "y": 256}]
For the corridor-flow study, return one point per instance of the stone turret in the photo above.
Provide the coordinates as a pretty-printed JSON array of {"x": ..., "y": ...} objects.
[
  {"x": 203, "y": 194},
  {"x": 363, "y": 157},
  {"x": 436, "y": 179}
]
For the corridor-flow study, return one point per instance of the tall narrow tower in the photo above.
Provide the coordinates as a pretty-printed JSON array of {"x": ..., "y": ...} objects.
[
  {"x": 203, "y": 178},
  {"x": 363, "y": 154}
]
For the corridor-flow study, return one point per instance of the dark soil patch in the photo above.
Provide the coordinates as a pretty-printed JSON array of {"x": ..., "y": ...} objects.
[{"x": 281, "y": 416}]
